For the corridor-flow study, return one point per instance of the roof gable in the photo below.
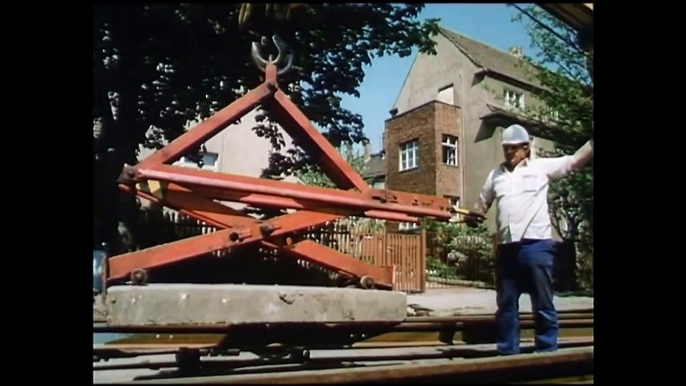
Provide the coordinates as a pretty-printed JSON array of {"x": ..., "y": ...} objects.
[{"x": 492, "y": 59}]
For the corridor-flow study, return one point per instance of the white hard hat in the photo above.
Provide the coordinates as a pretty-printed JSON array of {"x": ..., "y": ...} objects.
[{"x": 514, "y": 135}]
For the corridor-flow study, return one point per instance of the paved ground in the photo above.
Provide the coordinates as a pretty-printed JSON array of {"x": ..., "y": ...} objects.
[{"x": 465, "y": 301}]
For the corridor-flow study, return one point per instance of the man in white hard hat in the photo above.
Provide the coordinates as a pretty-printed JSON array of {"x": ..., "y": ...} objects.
[{"x": 524, "y": 258}]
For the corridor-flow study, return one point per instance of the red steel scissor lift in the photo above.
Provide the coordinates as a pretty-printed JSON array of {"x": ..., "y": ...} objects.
[{"x": 193, "y": 193}]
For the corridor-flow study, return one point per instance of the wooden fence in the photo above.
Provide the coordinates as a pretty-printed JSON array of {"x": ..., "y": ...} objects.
[{"x": 405, "y": 252}]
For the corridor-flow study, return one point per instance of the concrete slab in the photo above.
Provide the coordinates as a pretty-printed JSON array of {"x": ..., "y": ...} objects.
[{"x": 225, "y": 304}]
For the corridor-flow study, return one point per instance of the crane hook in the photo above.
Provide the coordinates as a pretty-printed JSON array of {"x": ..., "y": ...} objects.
[{"x": 284, "y": 55}]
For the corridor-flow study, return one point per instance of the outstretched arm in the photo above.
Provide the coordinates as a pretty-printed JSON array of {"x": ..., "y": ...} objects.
[
  {"x": 582, "y": 156},
  {"x": 561, "y": 166}
]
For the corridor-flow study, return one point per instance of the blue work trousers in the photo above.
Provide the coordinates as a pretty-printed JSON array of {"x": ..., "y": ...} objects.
[{"x": 525, "y": 267}]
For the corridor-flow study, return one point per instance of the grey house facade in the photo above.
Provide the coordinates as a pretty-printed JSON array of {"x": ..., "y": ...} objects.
[{"x": 443, "y": 137}]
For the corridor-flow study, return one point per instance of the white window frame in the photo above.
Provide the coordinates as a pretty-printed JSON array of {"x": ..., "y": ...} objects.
[
  {"x": 450, "y": 143},
  {"x": 410, "y": 150},
  {"x": 379, "y": 185},
  {"x": 513, "y": 99},
  {"x": 187, "y": 163},
  {"x": 406, "y": 226},
  {"x": 454, "y": 201}
]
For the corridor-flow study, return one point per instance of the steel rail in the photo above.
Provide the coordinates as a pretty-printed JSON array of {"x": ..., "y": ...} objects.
[
  {"x": 303, "y": 327},
  {"x": 386, "y": 327},
  {"x": 562, "y": 363},
  {"x": 128, "y": 350},
  {"x": 446, "y": 352}
]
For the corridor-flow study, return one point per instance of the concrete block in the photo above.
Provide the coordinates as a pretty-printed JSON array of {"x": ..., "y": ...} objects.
[{"x": 225, "y": 304}]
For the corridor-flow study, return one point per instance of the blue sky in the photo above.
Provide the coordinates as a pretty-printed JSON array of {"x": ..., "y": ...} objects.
[{"x": 489, "y": 23}]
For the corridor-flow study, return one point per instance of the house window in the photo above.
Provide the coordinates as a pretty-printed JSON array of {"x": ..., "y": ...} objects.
[
  {"x": 449, "y": 150},
  {"x": 209, "y": 162},
  {"x": 453, "y": 200},
  {"x": 406, "y": 226},
  {"x": 409, "y": 155},
  {"x": 513, "y": 99}
]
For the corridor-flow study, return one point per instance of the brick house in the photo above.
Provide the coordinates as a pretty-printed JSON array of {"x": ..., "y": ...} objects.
[{"x": 443, "y": 137}]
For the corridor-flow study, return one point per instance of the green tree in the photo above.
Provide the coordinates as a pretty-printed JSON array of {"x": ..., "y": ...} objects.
[
  {"x": 159, "y": 66},
  {"x": 567, "y": 112},
  {"x": 311, "y": 174}
]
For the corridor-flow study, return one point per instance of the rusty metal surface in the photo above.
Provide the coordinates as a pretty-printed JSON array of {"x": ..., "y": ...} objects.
[
  {"x": 187, "y": 202},
  {"x": 312, "y": 251},
  {"x": 497, "y": 367},
  {"x": 192, "y": 192},
  {"x": 242, "y": 231},
  {"x": 196, "y": 180},
  {"x": 121, "y": 266},
  {"x": 313, "y": 142},
  {"x": 208, "y": 128}
]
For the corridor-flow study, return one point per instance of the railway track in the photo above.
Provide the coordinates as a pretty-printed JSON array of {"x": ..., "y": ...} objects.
[{"x": 422, "y": 349}]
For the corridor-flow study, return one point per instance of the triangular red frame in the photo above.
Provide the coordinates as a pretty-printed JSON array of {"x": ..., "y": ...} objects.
[{"x": 192, "y": 192}]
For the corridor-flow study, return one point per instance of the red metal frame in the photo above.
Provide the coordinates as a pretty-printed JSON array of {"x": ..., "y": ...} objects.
[{"x": 192, "y": 192}]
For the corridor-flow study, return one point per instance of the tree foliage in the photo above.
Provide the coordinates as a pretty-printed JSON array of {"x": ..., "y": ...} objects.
[
  {"x": 159, "y": 66},
  {"x": 562, "y": 69},
  {"x": 312, "y": 174},
  {"x": 567, "y": 110},
  {"x": 164, "y": 65}
]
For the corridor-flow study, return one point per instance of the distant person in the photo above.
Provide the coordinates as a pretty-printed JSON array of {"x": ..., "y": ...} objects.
[{"x": 524, "y": 257}]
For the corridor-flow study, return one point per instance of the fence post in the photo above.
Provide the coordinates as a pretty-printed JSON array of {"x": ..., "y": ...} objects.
[
  {"x": 494, "y": 240},
  {"x": 422, "y": 259}
]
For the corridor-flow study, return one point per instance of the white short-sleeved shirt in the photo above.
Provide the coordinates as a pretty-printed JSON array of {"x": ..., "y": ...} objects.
[{"x": 520, "y": 197}]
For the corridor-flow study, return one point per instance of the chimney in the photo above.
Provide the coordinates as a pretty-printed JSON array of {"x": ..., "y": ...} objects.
[
  {"x": 517, "y": 51},
  {"x": 367, "y": 151}
]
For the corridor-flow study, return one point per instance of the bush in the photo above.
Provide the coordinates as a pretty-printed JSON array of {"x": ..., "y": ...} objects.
[{"x": 458, "y": 251}]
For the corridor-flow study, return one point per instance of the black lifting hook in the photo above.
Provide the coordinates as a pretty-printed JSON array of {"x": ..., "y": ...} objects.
[{"x": 283, "y": 56}]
